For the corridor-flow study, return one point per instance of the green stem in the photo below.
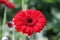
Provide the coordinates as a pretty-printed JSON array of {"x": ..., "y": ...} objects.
[
  {"x": 24, "y": 5},
  {"x": 13, "y": 37},
  {"x": 4, "y": 21}
]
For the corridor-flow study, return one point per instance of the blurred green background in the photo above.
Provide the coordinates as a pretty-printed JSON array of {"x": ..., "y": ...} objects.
[{"x": 50, "y": 8}]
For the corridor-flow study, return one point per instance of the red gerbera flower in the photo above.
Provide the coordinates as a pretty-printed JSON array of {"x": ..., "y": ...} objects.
[
  {"x": 8, "y": 4},
  {"x": 29, "y": 21},
  {"x": 1, "y": 1}
]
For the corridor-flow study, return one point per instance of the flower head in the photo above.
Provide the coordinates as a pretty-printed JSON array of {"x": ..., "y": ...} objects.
[
  {"x": 29, "y": 21},
  {"x": 8, "y": 4}
]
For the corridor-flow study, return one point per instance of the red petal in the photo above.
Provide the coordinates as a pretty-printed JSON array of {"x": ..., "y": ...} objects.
[
  {"x": 17, "y": 30},
  {"x": 36, "y": 29},
  {"x": 40, "y": 27},
  {"x": 17, "y": 27},
  {"x": 24, "y": 31},
  {"x": 23, "y": 28},
  {"x": 28, "y": 12},
  {"x": 30, "y": 31},
  {"x": 34, "y": 13},
  {"x": 27, "y": 30},
  {"x": 1, "y": 1}
]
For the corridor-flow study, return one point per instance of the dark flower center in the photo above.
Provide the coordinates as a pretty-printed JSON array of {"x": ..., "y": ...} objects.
[{"x": 29, "y": 21}]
